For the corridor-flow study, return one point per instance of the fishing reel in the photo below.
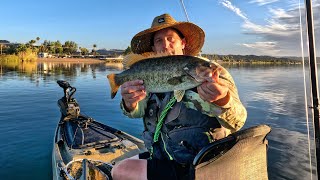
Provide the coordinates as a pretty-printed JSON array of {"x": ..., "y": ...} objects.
[{"x": 69, "y": 107}]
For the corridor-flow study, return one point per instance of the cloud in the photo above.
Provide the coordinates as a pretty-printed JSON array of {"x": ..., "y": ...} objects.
[
  {"x": 272, "y": 28},
  {"x": 279, "y": 33},
  {"x": 263, "y": 47},
  {"x": 283, "y": 29},
  {"x": 279, "y": 13},
  {"x": 236, "y": 10},
  {"x": 263, "y": 2}
]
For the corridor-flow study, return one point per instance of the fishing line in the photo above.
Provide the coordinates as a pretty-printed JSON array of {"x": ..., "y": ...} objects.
[{"x": 305, "y": 89}]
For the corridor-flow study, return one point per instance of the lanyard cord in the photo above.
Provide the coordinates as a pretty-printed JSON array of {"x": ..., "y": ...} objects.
[{"x": 162, "y": 116}]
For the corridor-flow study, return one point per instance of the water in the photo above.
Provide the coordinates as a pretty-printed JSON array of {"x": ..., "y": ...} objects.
[{"x": 29, "y": 114}]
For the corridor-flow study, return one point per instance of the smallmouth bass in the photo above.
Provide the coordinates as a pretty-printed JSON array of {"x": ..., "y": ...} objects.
[{"x": 162, "y": 74}]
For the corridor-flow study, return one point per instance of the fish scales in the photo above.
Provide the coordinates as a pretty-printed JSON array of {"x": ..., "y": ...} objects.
[{"x": 155, "y": 73}]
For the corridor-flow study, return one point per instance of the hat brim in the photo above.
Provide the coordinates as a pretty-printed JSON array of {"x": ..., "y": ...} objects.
[{"x": 194, "y": 36}]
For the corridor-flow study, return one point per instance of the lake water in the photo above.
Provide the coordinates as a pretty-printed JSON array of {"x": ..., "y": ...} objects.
[{"x": 273, "y": 95}]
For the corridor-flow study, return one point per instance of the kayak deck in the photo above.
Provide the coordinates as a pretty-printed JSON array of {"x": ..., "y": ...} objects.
[{"x": 83, "y": 143}]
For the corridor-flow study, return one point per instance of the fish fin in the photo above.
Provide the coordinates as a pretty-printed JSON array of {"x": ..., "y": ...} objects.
[
  {"x": 113, "y": 85},
  {"x": 148, "y": 54},
  {"x": 178, "y": 94},
  {"x": 130, "y": 59},
  {"x": 175, "y": 80},
  {"x": 159, "y": 54},
  {"x": 155, "y": 55}
]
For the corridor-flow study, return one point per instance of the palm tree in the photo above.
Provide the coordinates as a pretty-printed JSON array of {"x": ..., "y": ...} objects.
[
  {"x": 94, "y": 49},
  {"x": 37, "y": 39},
  {"x": 31, "y": 43},
  {"x": 70, "y": 47}
]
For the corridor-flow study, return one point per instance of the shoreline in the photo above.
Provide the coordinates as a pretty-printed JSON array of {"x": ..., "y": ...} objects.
[
  {"x": 96, "y": 61},
  {"x": 70, "y": 60}
]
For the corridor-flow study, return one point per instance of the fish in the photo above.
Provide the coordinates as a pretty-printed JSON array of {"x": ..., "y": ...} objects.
[{"x": 162, "y": 74}]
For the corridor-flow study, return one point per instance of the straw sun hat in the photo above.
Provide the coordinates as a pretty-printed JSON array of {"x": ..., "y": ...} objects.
[{"x": 193, "y": 34}]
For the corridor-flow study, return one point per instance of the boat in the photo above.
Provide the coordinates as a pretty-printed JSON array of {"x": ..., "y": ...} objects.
[{"x": 84, "y": 148}]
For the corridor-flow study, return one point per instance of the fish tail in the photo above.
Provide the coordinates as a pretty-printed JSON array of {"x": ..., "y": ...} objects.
[{"x": 113, "y": 85}]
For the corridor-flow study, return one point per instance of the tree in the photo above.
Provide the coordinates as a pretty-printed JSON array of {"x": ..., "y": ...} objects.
[
  {"x": 31, "y": 43},
  {"x": 52, "y": 48},
  {"x": 84, "y": 51},
  {"x": 12, "y": 49},
  {"x": 38, "y": 39},
  {"x": 127, "y": 51},
  {"x": 94, "y": 49},
  {"x": 21, "y": 48},
  {"x": 70, "y": 47},
  {"x": 58, "y": 47}
]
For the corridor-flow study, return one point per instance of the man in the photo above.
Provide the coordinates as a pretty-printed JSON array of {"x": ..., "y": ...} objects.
[{"x": 206, "y": 113}]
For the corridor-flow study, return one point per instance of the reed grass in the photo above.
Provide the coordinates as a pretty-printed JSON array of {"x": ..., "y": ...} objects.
[
  {"x": 27, "y": 55},
  {"x": 9, "y": 58}
]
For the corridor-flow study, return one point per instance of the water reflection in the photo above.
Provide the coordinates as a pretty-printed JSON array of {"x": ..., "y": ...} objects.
[
  {"x": 27, "y": 67},
  {"x": 45, "y": 69},
  {"x": 289, "y": 148}
]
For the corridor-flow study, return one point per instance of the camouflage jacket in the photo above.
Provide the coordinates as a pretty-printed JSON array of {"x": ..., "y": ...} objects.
[{"x": 231, "y": 116}]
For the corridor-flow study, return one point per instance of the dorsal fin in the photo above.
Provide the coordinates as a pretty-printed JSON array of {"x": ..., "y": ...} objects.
[{"x": 131, "y": 59}]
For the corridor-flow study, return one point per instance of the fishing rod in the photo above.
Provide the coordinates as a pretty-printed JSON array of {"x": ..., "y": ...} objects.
[
  {"x": 314, "y": 80},
  {"x": 186, "y": 14},
  {"x": 185, "y": 11}
]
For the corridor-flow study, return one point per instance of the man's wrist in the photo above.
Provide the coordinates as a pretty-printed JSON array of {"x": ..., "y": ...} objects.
[
  {"x": 223, "y": 101},
  {"x": 126, "y": 108}
]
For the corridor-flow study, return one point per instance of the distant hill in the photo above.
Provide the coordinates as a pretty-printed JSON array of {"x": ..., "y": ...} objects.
[
  {"x": 4, "y": 42},
  {"x": 300, "y": 58},
  {"x": 252, "y": 58},
  {"x": 110, "y": 52}
]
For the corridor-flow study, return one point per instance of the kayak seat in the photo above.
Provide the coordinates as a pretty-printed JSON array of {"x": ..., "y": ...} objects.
[{"x": 240, "y": 156}]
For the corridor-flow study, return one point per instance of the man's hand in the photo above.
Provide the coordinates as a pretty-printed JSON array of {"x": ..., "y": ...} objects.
[
  {"x": 211, "y": 89},
  {"x": 132, "y": 92}
]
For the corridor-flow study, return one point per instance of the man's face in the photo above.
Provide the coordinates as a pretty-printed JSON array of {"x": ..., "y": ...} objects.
[{"x": 168, "y": 41}]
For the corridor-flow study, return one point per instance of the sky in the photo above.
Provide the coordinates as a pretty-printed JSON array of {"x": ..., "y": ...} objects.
[{"x": 257, "y": 27}]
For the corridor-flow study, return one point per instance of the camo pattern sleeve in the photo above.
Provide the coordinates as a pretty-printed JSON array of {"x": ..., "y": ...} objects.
[
  {"x": 138, "y": 112},
  {"x": 232, "y": 115}
]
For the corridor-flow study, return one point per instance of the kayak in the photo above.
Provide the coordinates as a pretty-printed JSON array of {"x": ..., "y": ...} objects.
[{"x": 84, "y": 148}]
